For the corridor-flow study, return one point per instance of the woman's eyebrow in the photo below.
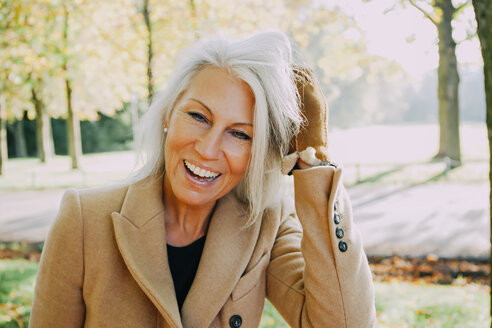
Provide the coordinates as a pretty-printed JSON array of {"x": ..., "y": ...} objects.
[
  {"x": 210, "y": 111},
  {"x": 206, "y": 107},
  {"x": 248, "y": 124}
]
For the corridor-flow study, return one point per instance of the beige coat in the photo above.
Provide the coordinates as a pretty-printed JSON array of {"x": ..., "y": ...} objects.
[{"x": 105, "y": 263}]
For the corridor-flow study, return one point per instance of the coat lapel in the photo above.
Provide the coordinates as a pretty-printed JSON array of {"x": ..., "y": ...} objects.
[
  {"x": 141, "y": 238},
  {"x": 226, "y": 253}
]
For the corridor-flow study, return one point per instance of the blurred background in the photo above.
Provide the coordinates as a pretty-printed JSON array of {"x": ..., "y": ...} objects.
[{"x": 404, "y": 83}]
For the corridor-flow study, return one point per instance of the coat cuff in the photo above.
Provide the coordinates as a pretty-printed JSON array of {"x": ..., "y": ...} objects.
[{"x": 308, "y": 155}]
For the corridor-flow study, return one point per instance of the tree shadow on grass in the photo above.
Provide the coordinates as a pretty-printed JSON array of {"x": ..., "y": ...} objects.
[
  {"x": 385, "y": 195},
  {"x": 379, "y": 176}
]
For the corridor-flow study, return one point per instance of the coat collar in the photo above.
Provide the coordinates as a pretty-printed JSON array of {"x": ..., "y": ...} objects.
[{"x": 141, "y": 238}]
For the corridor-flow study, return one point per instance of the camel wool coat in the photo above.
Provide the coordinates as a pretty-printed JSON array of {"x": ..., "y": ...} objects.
[{"x": 104, "y": 263}]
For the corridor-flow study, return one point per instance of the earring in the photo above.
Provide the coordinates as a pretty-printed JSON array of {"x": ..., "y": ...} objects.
[{"x": 165, "y": 129}]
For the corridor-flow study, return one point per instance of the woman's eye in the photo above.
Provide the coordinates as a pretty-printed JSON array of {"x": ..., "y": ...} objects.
[
  {"x": 198, "y": 117},
  {"x": 240, "y": 135}
]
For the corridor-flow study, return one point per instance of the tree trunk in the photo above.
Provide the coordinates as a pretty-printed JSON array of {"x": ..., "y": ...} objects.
[
  {"x": 73, "y": 124},
  {"x": 73, "y": 129},
  {"x": 3, "y": 134},
  {"x": 44, "y": 138},
  {"x": 150, "y": 52},
  {"x": 20, "y": 139},
  {"x": 483, "y": 14},
  {"x": 448, "y": 83}
]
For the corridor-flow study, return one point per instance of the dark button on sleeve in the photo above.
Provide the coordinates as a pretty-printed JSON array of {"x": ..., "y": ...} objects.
[
  {"x": 339, "y": 232},
  {"x": 235, "y": 321},
  {"x": 336, "y": 218},
  {"x": 342, "y": 246}
]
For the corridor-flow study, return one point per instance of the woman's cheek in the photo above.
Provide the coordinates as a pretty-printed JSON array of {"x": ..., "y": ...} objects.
[
  {"x": 237, "y": 147},
  {"x": 238, "y": 153}
]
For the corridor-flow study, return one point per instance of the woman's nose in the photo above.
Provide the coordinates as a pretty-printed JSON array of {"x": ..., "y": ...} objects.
[{"x": 209, "y": 143}]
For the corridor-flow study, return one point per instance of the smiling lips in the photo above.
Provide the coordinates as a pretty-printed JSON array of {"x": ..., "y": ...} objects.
[{"x": 199, "y": 173}]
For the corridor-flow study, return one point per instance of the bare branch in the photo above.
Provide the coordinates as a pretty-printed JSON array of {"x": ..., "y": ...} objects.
[
  {"x": 390, "y": 9},
  {"x": 463, "y": 5},
  {"x": 426, "y": 14}
]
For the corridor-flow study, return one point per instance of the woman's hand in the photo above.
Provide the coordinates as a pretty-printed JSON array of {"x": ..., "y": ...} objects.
[
  {"x": 310, "y": 146},
  {"x": 303, "y": 165}
]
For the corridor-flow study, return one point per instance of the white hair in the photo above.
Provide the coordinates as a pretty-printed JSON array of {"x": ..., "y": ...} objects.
[{"x": 264, "y": 62}]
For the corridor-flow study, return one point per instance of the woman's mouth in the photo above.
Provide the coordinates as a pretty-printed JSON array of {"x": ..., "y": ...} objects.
[{"x": 200, "y": 174}]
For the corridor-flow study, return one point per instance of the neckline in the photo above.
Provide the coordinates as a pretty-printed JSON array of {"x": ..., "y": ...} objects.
[{"x": 199, "y": 240}]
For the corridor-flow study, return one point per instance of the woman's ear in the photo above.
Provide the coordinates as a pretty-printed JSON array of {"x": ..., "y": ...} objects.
[{"x": 165, "y": 126}]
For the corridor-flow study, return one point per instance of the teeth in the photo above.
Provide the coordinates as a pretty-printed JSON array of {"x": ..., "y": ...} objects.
[{"x": 199, "y": 171}]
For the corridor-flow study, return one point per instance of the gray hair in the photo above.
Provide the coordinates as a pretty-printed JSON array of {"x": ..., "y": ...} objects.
[{"x": 264, "y": 62}]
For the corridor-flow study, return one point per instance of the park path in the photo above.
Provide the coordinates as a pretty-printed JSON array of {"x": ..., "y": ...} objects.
[{"x": 445, "y": 219}]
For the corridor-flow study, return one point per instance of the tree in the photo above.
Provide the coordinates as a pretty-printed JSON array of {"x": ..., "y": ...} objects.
[
  {"x": 168, "y": 27},
  {"x": 6, "y": 30},
  {"x": 483, "y": 14},
  {"x": 441, "y": 13},
  {"x": 44, "y": 136},
  {"x": 145, "y": 10},
  {"x": 73, "y": 124},
  {"x": 97, "y": 67},
  {"x": 3, "y": 133},
  {"x": 14, "y": 95},
  {"x": 26, "y": 59},
  {"x": 40, "y": 66}
]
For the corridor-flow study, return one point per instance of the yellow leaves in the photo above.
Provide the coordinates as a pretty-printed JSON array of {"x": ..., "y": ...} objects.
[
  {"x": 107, "y": 42},
  {"x": 432, "y": 258},
  {"x": 15, "y": 78},
  {"x": 14, "y": 312},
  {"x": 28, "y": 59}
]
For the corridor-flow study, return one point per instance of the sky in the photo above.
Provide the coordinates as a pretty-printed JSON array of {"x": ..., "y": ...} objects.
[{"x": 388, "y": 34}]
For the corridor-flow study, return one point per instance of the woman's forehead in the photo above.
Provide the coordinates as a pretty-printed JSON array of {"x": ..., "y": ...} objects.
[{"x": 218, "y": 89}]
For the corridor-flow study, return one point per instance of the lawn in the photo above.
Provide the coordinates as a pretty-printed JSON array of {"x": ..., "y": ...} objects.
[
  {"x": 16, "y": 290},
  {"x": 398, "y": 304}
]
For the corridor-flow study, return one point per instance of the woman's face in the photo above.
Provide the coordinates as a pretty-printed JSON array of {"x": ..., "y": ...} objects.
[{"x": 209, "y": 137}]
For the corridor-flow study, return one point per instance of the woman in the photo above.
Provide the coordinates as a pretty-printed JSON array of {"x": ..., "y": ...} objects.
[{"x": 202, "y": 235}]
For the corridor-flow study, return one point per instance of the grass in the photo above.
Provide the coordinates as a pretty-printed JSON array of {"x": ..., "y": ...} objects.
[
  {"x": 16, "y": 291},
  {"x": 398, "y": 304},
  {"x": 405, "y": 304}
]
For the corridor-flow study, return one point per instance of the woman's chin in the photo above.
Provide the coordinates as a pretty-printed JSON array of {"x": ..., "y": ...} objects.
[{"x": 194, "y": 200}]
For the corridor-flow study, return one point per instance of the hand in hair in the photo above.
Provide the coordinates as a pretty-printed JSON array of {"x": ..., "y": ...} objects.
[{"x": 310, "y": 146}]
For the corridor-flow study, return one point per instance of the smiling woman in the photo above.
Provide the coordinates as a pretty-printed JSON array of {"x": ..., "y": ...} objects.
[
  {"x": 208, "y": 146},
  {"x": 201, "y": 234}
]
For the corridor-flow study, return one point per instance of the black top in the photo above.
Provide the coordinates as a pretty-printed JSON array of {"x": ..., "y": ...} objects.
[{"x": 183, "y": 262}]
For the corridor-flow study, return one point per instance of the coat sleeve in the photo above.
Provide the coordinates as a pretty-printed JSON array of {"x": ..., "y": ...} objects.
[
  {"x": 318, "y": 275},
  {"x": 58, "y": 300}
]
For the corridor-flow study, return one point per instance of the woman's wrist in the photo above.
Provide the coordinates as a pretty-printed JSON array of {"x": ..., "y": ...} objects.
[{"x": 303, "y": 165}]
